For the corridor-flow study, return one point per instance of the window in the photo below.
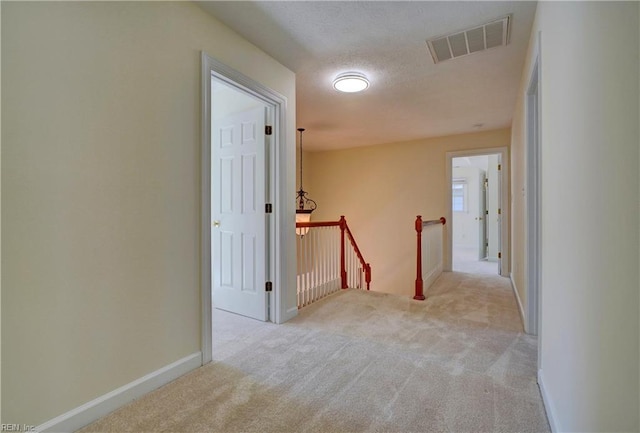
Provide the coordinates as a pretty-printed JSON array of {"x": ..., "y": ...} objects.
[{"x": 459, "y": 195}]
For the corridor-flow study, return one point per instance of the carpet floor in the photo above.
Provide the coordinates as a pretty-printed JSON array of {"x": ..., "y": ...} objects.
[
  {"x": 360, "y": 362},
  {"x": 466, "y": 260}
]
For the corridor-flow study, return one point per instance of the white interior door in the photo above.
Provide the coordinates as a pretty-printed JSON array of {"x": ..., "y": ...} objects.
[
  {"x": 238, "y": 232},
  {"x": 499, "y": 219},
  {"x": 493, "y": 198},
  {"x": 482, "y": 217}
]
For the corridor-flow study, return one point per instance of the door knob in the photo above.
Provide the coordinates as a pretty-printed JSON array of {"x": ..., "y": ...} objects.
[{"x": 216, "y": 223}]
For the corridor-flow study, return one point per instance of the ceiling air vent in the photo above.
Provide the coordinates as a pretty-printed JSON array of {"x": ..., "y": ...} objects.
[{"x": 479, "y": 38}]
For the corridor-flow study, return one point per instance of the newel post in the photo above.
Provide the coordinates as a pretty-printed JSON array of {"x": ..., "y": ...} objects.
[
  {"x": 343, "y": 265},
  {"x": 367, "y": 275},
  {"x": 419, "y": 283}
]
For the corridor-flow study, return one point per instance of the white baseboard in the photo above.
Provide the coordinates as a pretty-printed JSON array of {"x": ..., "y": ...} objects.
[
  {"x": 520, "y": 309},
  {"x": 289, "y": 314},
  {"x": 103, "y": 405},
  {"x": 548, "y": 405}
]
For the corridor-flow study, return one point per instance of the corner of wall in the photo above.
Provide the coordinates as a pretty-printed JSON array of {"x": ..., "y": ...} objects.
[
  {"x": 549, "y": 408},
  {"x": 0, "y": 225},
  {"x": 520, "y": 309}
]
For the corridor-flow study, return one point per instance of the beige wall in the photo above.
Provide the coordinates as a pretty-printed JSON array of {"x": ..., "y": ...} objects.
[
  {"x": 380, "y": 189},
  {"x": 100, "y": 192},
  {"x": 0, "y": 221},
  {"x": 590, "y": 216}
]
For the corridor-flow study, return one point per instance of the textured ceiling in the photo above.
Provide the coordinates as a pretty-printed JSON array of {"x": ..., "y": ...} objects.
[{"x": 410, "y": 97}]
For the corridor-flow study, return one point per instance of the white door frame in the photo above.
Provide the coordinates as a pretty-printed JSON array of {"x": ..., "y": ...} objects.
[
  {"x": 533, "y": 197},
  {"x": 504, "y": 204},
  {"x": 276, "y": 164}
]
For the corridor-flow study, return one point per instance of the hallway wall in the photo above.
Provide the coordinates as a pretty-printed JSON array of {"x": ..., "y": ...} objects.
[
  {"x": 101, "y": 109},
  {"x": 380, "y": 189},
  {"x": 590, "y": 143}
]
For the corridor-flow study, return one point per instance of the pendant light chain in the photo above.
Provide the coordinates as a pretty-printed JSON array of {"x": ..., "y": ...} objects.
[
  {"x": 301, "y": 131},
  {"x": 305, "y": 205}
]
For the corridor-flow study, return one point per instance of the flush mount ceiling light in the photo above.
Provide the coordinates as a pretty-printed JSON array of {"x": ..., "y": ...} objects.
[{"x": 351, "y": 82}]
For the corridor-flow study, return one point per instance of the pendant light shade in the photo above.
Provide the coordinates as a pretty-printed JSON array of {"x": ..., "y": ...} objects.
[{"x": 302, "y": 218}]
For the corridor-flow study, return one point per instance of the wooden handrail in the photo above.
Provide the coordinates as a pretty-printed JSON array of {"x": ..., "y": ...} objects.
[
  {"x": 317, "y": 224},
  {"x": 419, "y": 296},
  {"x": 442, "y": 221},
  {"x": 366, "y": 266},
  {"x": 344, "y": 229}
]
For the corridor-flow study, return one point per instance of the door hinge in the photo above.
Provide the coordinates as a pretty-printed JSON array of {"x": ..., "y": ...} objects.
[
  {"x": 499, "y": 255},
  {"x": 499, "y": 167},
  {"x": 499, "y": 211},
  {"x": 268, "y": 208},
  {"x": 268, "y": 130},
  {"x": 268, "y": 287},
  {"x": 486, "y": 212}
]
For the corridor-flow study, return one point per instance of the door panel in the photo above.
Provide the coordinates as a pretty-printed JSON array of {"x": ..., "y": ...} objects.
[
  {"x": 249, "y": 263},
  {"x": 238, "y": 218},
  {"x": 224, "y": 196},
  {"x": 249, "y": 185},
  {"x": 225, "y": 254}
]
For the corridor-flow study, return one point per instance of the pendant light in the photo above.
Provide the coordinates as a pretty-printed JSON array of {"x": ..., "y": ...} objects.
[{"x": 305, "y": 206}]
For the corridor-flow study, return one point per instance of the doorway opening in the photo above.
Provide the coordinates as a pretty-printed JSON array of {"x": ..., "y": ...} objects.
[
  {"x": 239, "y": 243},
  {"x": 475, "y": 226},
  {"x": 477, "y": 240},
  {"x": 244, "y": 222}
]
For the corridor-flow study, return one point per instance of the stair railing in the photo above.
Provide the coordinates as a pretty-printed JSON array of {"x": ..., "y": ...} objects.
[
  {"x": 429, "y": 253},
  {"x": 326, "y": 262}
]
